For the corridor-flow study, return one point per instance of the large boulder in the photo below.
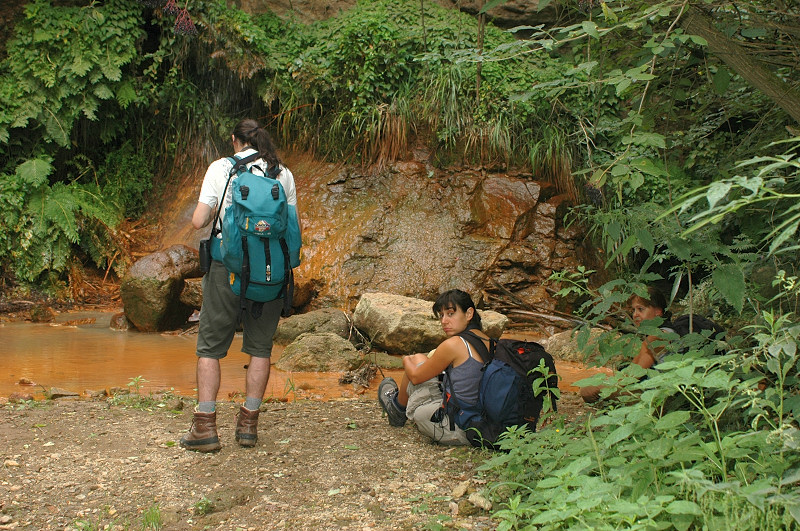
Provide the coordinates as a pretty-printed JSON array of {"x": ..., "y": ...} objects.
[
  {"x": 152, "y": 288},
  {"x": 317, "y": 321},
  {"x": 319, "y": 352},
  {"x": 405, "y": 325}
]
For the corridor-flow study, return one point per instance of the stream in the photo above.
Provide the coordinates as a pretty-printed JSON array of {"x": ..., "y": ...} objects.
[{"x": 80, "y": 353}]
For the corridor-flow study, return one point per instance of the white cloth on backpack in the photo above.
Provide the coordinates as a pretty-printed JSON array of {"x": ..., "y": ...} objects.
[{"x": 217, "y": 175}]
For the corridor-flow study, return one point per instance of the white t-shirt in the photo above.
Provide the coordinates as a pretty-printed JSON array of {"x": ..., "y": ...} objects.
[{"x": 219, "y": 170}]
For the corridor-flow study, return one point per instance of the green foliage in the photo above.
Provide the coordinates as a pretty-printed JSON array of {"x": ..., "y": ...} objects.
[
  {"x": 697, "y": 444},
  {"x": 127, "y": 177},
  {"x": 661, "y": 119},
  {"x": 769, "y": 190},
  {"x": 203, "y": 506},
  {"x": 372, "y": 75},
  {"x": 65, "y": 63},
  {"x": 152, "y": 519},
  {"x": 41, "y": 223}
]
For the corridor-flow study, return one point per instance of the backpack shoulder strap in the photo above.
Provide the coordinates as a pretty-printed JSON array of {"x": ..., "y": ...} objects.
[
  {"x": 241, "y": 164},
  {"x": 477, "y": 342},
  {"x": 237, "y": 165}
]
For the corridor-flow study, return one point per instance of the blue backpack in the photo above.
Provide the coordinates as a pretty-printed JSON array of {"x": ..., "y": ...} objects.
[
  {"x": 506, "y": 395},
  {"x": 260, "y": 242}
]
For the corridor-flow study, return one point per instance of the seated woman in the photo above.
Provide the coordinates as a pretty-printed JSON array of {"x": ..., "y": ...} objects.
[
  {"x": 649, "y": 355},
  {"x": 420, "y": 395}
]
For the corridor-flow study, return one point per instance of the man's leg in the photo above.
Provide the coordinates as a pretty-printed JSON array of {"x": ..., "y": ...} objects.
[
  {"x": 208, "y": 379},
  {"x": 257, "y": 378},
  {"x": 247, "y": 417},
  {"x": 216, "y": 331},
  {"x": 202, "y": 436},
  {"x": 257, "y": 342}
]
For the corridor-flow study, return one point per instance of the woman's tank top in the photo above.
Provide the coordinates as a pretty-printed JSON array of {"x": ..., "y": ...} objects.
[{"x": 465, "y": 379}]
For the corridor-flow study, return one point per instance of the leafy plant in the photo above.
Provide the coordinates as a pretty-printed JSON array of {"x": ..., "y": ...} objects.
[
  {"x": 43, "y": 222},
  {"x": 134, "y": 397},
  {"x": 691, "y": 434},
  {"x": 67, "y": 63},
  {"x": 203, "y": 506}
]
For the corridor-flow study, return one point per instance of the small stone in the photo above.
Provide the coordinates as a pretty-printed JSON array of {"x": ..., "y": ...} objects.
[
  {"x": 10, "y": 463},
  {"x": 42, "y": 314},
  {"x": 461, "y": 489},
  {"x": 55, "y": 393},
  {"x": 480, "y": 502}
]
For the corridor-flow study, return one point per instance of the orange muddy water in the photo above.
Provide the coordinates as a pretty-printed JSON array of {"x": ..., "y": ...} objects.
[{"x": 82, "y": 356}]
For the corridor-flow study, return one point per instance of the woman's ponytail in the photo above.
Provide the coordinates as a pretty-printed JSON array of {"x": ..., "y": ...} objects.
[{"x": 251, "y": 133}]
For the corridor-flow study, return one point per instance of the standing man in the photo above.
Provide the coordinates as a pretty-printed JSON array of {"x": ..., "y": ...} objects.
[{"x": 220, "y": 313}]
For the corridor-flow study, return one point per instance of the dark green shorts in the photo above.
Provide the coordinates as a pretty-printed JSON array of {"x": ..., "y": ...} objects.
[{"x": 219, "y": 318}]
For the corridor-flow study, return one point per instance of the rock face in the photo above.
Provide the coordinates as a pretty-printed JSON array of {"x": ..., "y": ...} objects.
[
  {"x": 512, "y": 13},
  {"x": 565, "y": 345},
  {"x": 415, "y": 231},
  {"x": 192, "y": 292},
  {"x": 404, "y": 325},
  {"x": 151, "y": 289}
]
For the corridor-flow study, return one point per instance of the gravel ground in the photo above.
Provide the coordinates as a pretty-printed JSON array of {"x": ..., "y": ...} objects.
[{"x": 94, "y": 464}]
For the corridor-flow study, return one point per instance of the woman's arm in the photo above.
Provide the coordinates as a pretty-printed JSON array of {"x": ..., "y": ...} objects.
[
  {"x": 647, "y": 353},
  {"x": 201, "y": 216},
  {"x": 419, "y": 368}
]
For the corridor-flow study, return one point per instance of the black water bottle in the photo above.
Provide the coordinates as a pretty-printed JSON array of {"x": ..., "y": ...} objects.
[{"x": 205, "y": 255}]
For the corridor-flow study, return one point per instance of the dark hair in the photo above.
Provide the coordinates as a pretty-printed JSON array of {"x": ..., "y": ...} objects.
[
  {"x": 655, "y": 299},
  {"x": 454, "y": 299},
  {"x": 250, "y": 132}
]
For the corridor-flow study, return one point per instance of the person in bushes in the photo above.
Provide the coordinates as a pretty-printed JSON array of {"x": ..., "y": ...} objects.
[
  {"x": 219, "y": 315},
  {"x": 655, "y": 305},
  {"x": 420, "y": 394}
]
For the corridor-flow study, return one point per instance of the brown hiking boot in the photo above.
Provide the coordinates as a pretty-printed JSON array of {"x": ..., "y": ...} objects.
[
  {"x": 202, "y": 436},
  {"x": 246, "y": 424}
]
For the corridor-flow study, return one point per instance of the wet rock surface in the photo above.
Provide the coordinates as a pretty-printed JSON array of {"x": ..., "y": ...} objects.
[
  {"x": 318, "y": 321},
  {"x": 415, "y": 230},
  {"x": 151, "y": 289}
]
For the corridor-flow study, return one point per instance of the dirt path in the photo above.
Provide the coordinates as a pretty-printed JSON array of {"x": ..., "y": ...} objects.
[{"x": 89, "y": 464}]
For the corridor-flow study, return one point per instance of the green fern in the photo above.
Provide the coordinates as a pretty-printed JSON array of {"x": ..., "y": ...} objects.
[{"x": 43, "y": 224}]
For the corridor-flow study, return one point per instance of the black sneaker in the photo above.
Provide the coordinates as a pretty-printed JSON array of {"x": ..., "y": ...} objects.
[{"x": 387, "y": 390}]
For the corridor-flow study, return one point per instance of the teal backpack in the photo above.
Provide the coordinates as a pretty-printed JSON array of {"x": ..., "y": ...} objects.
[{"x": 260, "y": 242}]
